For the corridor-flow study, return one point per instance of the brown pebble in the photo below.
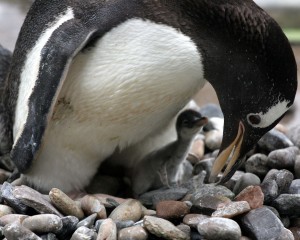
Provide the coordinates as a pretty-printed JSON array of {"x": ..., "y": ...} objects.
[
  {"x": 135, "y": 232},
  {"x": 11, "y": 218},
  {"x": 43, "y": 223},
  {"x": 65, "y": 204},
  {"x": 90, "y": 205},
  {"x": 5, "y": 210},
  {"x": 107, "y": 230},
  {"x": 253, "y": 195},
  {"x": 129, "y": 210},
  {"x": 172, "y": 209},
  {"x": 193, "y": 220}
]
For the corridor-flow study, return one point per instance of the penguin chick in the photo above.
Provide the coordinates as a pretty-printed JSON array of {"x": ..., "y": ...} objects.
[{"x": 162, "y": 167}]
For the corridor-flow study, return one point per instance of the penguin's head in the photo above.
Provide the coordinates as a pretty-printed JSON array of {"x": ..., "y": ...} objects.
[
  {"x": 189, "y": 123},
  {"x": 255, "y": 79}
]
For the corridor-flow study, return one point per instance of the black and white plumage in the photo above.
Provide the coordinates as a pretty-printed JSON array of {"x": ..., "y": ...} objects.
[{"x": 92, "y": 76}]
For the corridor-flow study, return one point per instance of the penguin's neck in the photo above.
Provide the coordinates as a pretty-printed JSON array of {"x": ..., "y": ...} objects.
[{"x": 182, "y": 146}]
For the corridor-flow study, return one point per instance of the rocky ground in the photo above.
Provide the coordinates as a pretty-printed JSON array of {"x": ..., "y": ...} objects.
[{"x": 261, "y": 201}]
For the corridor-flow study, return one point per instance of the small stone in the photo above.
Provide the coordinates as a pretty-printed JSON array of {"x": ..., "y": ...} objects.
[
  {"x": 248, "y": 179},
  {"x": 257, "y": 164},
  {"x": 270, "y": 191},
  {"x": 49, "y": 236},
  {"x": 135, "y": 232},
  {"x": 193, "y": 220},
  {"x": 129, "y": 210},
  {"x": 261, "y": 224},
  {"x": 232, "y": 209},
  {"x": 288, "y": 204},
  {"x": 233, "y": 180},
  {"x": 213, "y": 139},
  {"x": 35, "y": 200},
  {"x": 107, "y": 230},
  {"x": 12, "y": 218},
  {"x": 65, "y": 204},
  {"x": 286, "y": 234},
  {"x": 148, "y": 212},
  {"x": 15, "y": 231},
  {"x": 204, "y": 165},
  {"x": 294, "y": 135},
  {"x": 208, "y": 204},
  {"x": 172, "y": 209},
  {"x": 163, "y": 229},
  {"x": 213, "y": 190},
  {"x": 253, "y": 195},
  {"x": 295, "y": 187},
  {"x": 90, "y": 205},
  {"x": 297, "y": 167},
  {"x": 274, "y": 140},
  {"x": 87, "y": 222},
  {"x": 197, "y": 149},
  {"x": 43, "y": 223},
  {"x": 109, "y": 201},
  {"x": 284, "y": 179},
  {"x": 286, "y": 222},
  {"x": 216, "y": 228},
  {"x": 83, "y": 233},
  {"x": 124, "y": 224},
  {"x": 153, "y": 197},
  {"x": 69, "y": 227},
  {"x": 5, "y": 210},
  {"x": 185, "y": 228},
  {"x": 296, "y": 232},
  {"x": 283, "y": 158}
]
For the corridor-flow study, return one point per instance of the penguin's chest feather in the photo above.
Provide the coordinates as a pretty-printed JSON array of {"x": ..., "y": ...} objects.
[{"x": 131, "y": 83}]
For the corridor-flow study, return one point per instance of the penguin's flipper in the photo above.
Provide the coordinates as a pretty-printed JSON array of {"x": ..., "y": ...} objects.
[{"x": 36, "y": 105}]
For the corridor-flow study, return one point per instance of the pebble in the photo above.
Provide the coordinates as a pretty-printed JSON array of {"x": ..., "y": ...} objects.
[
  {"x": 11, "y": 218},
  {"x": 90, "y": 205},
  {"x": 232, "y": 209},
  {"x": 15, "y": 231},
  {"x": 213, "y": 190},
  {"x": 213, "y": 139},
  {"x": 286, "y": 234},
  {"x": 5, "y": 210},
  {"x": 129, "y": 210},
  {"x": 83, "y": 233},
  {"x": 283, "y": 158},
  {"x": 288, "y": 204},
  {"x": 43, "y": 223},
  {"x": 219, "y": 228},
  {"x": 88, "y": 221},
  {"x": 172, "y": 209},
  {"x": 49, "y": 236},
  {"x": 295, "y": 187},
  {"x": 274, "y": 140},
  {"x": 197, "y": 149},
  {"x": 297, "y": 167},
  {"x": 204, "y": 165},
  {"x": 261, "y": 224},
  {"x": 107, "y": 230},
  {"x": 69, "y": 227},
  {"x": 163, "y": 229},
  {"x": 296, "y": 232},
  {"x": 233, "y": 180},
  {"x": 283, "y": 179},
  {"x": 108, "y": 200},
  {"x": 257, "y": 164},
  {"x": 248, "y": 179},
  {"x": 294, "y": 135},
  {"x": 124, "y": 224},
  {"x": 253, "y": 195},
  {"x": 65, "y": 204},
  {"x": 35, "y": 200},
  {"x": 208, "y": 204},
  {"x": 134, "y": 233},
  {"x": 270, "y": 190},
  {"x": 184, "y": 228},
  {"x": 193, "y": 220}
]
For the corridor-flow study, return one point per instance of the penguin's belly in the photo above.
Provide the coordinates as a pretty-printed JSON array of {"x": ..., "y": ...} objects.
[{"x": 129, "y": 85}]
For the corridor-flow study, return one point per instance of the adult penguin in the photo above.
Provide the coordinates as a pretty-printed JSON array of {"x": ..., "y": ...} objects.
[{"x": 92, "y": 76}]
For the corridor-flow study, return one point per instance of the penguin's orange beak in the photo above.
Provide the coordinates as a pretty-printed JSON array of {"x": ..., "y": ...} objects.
[{"x": 232, "y": 152}]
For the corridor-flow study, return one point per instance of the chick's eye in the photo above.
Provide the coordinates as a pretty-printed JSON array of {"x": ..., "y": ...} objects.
[{"x": 254, "y": 119}]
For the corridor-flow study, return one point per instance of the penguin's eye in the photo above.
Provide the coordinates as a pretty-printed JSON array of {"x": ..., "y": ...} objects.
[{"x": 254, "y": 119}]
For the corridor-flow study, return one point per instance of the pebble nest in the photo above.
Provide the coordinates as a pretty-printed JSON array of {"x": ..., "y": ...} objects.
[{"x": 261, "y": 200}]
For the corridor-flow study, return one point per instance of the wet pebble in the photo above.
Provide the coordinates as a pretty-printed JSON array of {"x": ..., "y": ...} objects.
[
  {"x": 283, "y": 158},
  {"x": 172, "y": 209},
  {"x": 15, "y": 231},
  {"x": 295, "y": 187},
  {"x": 274, "y": 140},
  {"x": 43, "y": 223},
  {"x": 288, "y": 204},
  {"x": 248, "y": 179},
  {"x": 253, "y": 195},
  {"x": 193, "y": 220},
  {"x": 134, "y": 232},
  {"x": 257, "y": 164},
  {"x": 65, "y": 204},
  {"x": 163, "y": 228},
  {"x": 88, "y": 221},
  {"x": 216, "y": 228},
  {"x": 83, "y": 233},
  {"x": 129, "y": 210},
  {"x": 12, "y": 218},
  {"x": 232, "y": 209},
  {"x": 107, "y": 230}
]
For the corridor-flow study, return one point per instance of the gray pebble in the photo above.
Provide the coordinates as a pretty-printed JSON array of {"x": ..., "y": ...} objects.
[
  {"x": 248, "y": 179},
  {"x": 219, "y": 228},
  {"x": 124, "y": 224},
  {"x": 286, "y": 234},
  {"x": 274, "y": 140},
  {"x": 286, "y": 222},
  {"x": 213, "y": 190},
  {"x": 204, "y": 165},
  {"x": 208, "y": 204},
  {"x": 232, "y": 209},
  {"x": 294, "y": 135},
  {"x": 84, "y": 233},
  {"x": 283, "y": 158},
  {"x": 35, "y": 200},
  {"x": 69, "y": 227},
  {"x": 88, "y": 221},
  {"x": 283, "y": 179},
  {"x": 261, "y": 224},
  {"x": 257, "y": 164},
  {"x": 184, "y": 228},
  {"x": 295, "y": 187},
  {"x": 233, "y": 180},
  {"x": 43, "y": 223},
  {"x": 16, "y": 231},
  {"x": 129, "y": 210},
  {"x": 270, "y": 190},
  {"x": 134, "y": 233},
  {"x": 107, "y": 230},
  {"x": 288, "y": 204},
  {"x": 193, "y": 220},
  {"x": 49, "y": 236}
]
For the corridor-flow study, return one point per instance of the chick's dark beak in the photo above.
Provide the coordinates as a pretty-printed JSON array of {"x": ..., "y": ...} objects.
[
  {"x": 231, "y": 153},
  {"x": 199, "y": 122}
]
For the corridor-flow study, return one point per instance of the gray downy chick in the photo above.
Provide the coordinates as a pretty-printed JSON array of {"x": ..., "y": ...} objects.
[{"x": 162, "y": 167}]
